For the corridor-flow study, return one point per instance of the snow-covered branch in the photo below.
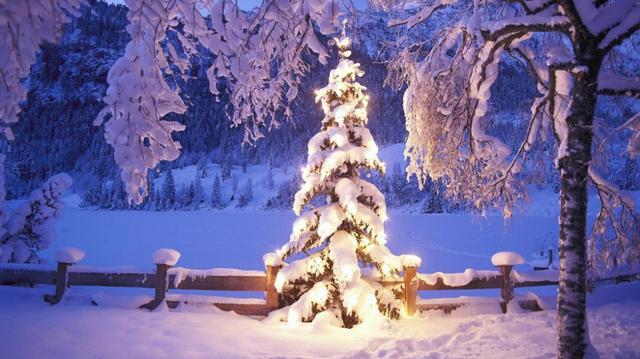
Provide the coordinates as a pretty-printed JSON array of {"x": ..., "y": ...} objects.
[
  {"x": 615, "y": 240},
  {"x": 618, "y": 85},
  {"x": 24, "y": 26},
  {"x": 261, "y": 55}
]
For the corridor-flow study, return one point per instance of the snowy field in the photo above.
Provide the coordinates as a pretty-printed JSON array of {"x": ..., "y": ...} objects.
[
  {"x": 75, "y": 329},
  {"x": 238, "y": 239}
]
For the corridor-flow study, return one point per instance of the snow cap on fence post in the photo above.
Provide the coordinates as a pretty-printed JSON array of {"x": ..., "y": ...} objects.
[
  {"x": 166, "y": 256},
  {"x": 272, "y": 259},
  {"x": 69, "y": 255},
  {"x": 506, "y": 259}
]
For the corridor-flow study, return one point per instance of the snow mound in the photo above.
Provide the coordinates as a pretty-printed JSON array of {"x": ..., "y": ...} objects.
[
  {"x": 69, "y": 255},
  {"x": 506, "y": 259},
  {"x": 166, "y": 256},
  {"x": 325, "y": 321}
]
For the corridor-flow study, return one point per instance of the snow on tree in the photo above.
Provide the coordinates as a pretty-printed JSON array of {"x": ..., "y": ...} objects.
[
  {"x": 24, "y": 26},
  {"x": 188, "y": 197},
  {"x": 202, "y": 167},
  {"x": 198, "y": 192},
  {"x": 168, "y": 196},
  {"x": 216, "y": 195},
  {"x": 570, "y": 48},
  {"x": 260, "y": 54},
  {"x": 246, "y": 193},
  {"x": 433, "y": 204},
  {"x": 336, "y": 237},
  {"x": 30, "y": 227},
  {"x": 268, "y": 180},
  {"x": 227, "y": 167}
]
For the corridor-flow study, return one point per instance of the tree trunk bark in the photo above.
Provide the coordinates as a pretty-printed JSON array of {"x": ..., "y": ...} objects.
[{"x": 574, "y": 166}]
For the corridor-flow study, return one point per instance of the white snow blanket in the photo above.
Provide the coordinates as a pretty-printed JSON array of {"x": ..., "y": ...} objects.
[{"x": 506, "y": 259}]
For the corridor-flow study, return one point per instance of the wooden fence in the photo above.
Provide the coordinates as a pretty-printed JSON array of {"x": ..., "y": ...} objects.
[{"x": 165, "y": 279}]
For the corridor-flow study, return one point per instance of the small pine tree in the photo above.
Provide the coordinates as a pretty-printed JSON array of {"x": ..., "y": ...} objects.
[
  {"x": 150, "y": 201},
  {"x": 189, "y": 197},
  {"x": 202, "y": 167},
  {"x": 181, "y": 196},
  {"x": 347, "y": 231},
  {"x": 268, "y": 180},
  {"x": 234, "y": 187},
  {"x": 198, "y": 193},
  {"x": 168, "y": 192},
  {"x": 433, "y": 203},
  {"x": 227, "y": 167},
  {"x": 216, "y": 194},
  {"x": 246, "y": 194},
  {"x": 30, "y": 228},
  {"x": 119, "y": 195}
]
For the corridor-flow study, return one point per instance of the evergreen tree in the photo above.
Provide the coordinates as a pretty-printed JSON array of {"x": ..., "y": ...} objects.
[
  {"x": 198, "y": 193},
  {"x": 246, "y": 194},
  {"x": 30, "y": 228},
  {"x": 189, "y": 197},
  {"x": 119, "y": 195},
  {"x": 227, "y": 167},
  {"x": 150, "y": 201},
  {"x": 234, "y": 187},
  {"x": 268, "y": 180},
  {"x": 433, "y": 203},
  {"x": 202, "y": 167},
  {"x": 168, "y": 192},
  {"x": 346, "y": 231},
  {"x": 216, "y": 194}
]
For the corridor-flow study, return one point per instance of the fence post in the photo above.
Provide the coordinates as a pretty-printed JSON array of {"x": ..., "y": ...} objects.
[
  {"x": 65, "y": 257},
  {"x": 410, "y": 290},
  {"x": 162, "y": 282},
  {"x": 506, "y": 292},
  {"x": 61, "y": 284},
  {"x": 272, "y": 293}
]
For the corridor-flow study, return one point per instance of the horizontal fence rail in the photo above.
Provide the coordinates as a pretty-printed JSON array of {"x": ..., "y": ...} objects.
[{"x": 166, "y": 278}]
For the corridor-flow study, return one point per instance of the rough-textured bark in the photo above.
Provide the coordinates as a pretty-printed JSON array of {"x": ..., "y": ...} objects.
[{"x": 571, "y": 320}]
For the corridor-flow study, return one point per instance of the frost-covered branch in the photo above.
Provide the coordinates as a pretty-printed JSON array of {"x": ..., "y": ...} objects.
[
  {"x": 615, "y": 240},
  {"x": 260, "y": 55},
  {"x": 25, "y": 25}
]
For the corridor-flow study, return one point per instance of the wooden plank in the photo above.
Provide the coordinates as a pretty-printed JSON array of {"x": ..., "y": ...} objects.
[
  {"x": 476, "y": 283},
  {"x": 240, "y": 308},
  {"x": 9, "y": 276},
  {"x": 535, "y": 284},
  {"x": 230, "y": 283},
  {"x": 447, "y": 308},
  {"x": 137, "y": 280}
]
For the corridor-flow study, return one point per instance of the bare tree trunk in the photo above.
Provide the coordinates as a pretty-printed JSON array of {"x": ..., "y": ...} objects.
[{"x": 571, "y": 319}]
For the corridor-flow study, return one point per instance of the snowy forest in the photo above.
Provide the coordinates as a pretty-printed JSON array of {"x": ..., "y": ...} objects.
[{"x": 423, "y": 145}]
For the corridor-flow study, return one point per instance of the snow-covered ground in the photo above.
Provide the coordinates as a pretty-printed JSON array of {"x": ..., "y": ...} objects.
[
  {"x": 238, "y": 238},
  {"x": 75, "y": 329}
]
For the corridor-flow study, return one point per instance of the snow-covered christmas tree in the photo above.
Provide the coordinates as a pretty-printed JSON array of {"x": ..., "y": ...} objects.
[{"x": 344, "y": 235}]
